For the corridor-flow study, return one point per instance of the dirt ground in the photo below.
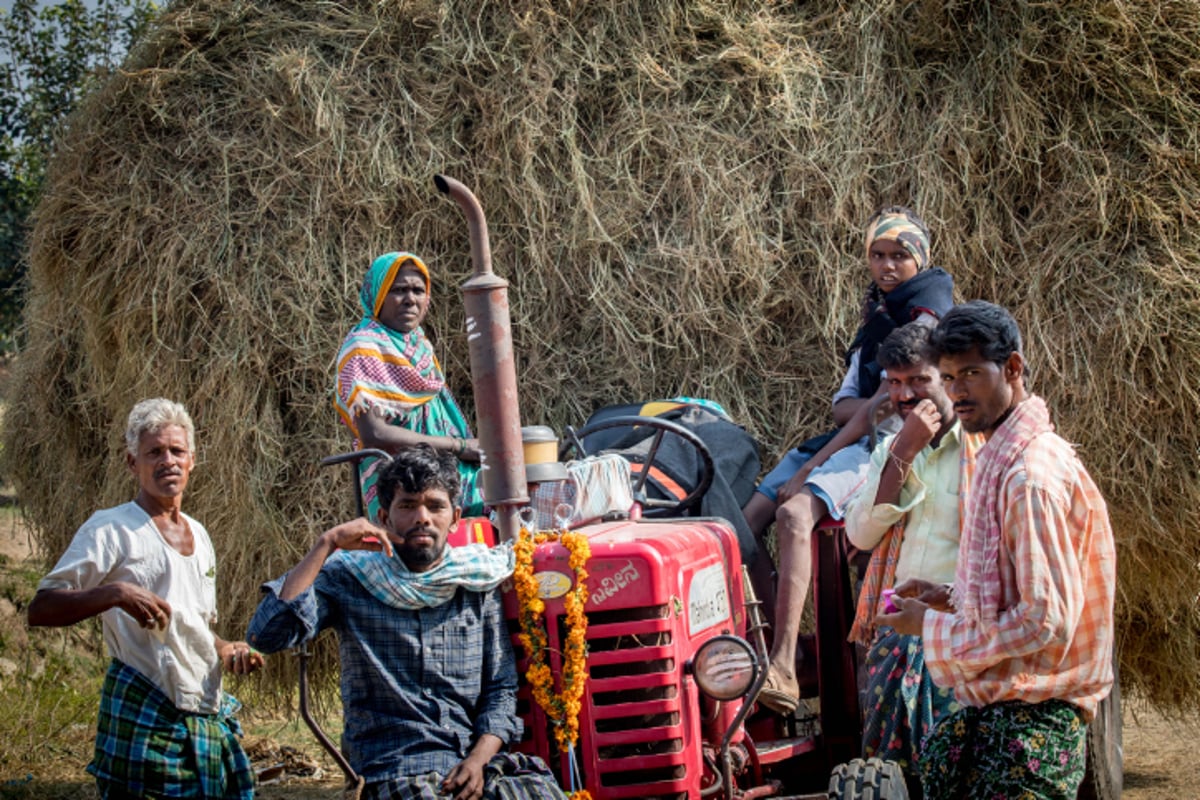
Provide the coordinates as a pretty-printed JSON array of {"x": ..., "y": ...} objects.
[
  {"x": 1158, "y": 751},
  {"x": 1158, "y": 756}
]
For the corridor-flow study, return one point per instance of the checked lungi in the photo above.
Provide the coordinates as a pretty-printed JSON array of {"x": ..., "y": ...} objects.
[
  {"x": 145, "y": 746},
  {"x": 508, "y": 776}
]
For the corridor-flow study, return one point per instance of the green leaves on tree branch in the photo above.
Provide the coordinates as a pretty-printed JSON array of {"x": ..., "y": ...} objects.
[{"x": 51, "y": 55}]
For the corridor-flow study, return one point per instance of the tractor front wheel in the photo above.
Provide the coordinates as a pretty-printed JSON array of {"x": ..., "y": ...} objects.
[{"x": 867, "y": 779}]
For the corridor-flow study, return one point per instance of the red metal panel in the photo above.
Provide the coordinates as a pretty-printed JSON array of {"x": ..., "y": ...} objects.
[{"x": 657, "y": 591}]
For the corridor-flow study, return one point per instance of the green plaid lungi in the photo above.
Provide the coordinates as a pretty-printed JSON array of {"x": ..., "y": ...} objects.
[{"x": 146, "y": 747}]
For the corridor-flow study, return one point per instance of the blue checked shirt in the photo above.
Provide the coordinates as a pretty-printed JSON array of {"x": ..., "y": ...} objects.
[{"x": 418, "y": 687}]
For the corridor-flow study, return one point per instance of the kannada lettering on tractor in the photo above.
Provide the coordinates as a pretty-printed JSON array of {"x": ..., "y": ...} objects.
[{"x": 676, "y": 646}]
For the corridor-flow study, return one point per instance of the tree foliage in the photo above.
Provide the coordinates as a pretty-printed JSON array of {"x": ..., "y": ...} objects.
[{"x": 51, "y": 55}]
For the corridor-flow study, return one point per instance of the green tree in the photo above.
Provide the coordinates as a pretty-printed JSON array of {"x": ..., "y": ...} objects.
[{"x": 51, "y": 55}]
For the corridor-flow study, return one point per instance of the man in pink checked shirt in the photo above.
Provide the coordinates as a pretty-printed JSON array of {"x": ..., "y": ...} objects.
[{"x": 1025, "y": 635}]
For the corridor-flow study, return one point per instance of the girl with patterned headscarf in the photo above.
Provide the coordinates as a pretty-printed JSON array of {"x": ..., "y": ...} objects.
[
  {"x": 823, "y": 474},
  {"x": 391, "y": 392},
  {"x": 887, "y": 306}
]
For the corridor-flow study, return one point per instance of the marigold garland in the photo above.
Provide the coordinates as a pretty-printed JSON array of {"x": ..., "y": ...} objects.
[{"x": 562, "y": 709}]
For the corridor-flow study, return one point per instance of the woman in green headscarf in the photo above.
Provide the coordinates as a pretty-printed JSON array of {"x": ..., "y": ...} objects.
[{"x": 391, "y": 392}]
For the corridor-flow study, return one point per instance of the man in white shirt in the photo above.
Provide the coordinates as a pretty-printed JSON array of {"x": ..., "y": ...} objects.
[
  {"x": 908, "y": 514},
  {"x": 148, "y": 570}
]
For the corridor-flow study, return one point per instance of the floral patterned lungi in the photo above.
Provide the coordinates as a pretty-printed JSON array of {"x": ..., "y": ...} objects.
[
  {"x": 903, "y": 703},
  {"x": 1006, "y": 751}
]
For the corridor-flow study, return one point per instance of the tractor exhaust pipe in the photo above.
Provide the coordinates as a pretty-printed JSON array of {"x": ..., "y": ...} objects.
[{"x": 493, "y": 369}]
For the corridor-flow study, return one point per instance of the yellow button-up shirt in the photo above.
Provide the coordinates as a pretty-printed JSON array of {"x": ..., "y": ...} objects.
[{"x": 929, "y": 497}]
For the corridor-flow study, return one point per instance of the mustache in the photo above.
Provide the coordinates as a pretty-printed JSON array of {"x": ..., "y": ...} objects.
[
  {"x": 163, "y": 472},
  {"x": 419, "y": 530}
]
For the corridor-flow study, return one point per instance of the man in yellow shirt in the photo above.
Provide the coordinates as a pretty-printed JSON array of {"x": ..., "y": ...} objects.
[{"x": 908, "y": 514}]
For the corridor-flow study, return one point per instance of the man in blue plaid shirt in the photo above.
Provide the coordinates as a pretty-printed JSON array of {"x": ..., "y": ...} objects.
[{"x": 429, "y": 680}]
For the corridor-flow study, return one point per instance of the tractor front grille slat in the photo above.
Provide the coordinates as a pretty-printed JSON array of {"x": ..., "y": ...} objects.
[
  {"x": 634, "y": 777},
  {"x": 620, "y": 669},
  {"x": 624, "y": 616},
  {"x": 637, "y": 722},
  {"x": 643, "y": 694},
  {"x": 635, "y": 710},
  {"x": 629, "y": 641}
]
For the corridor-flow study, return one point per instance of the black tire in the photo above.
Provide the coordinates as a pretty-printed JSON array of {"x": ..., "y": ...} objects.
[
  {"x": 1104, "y": 774},
  {"x": 867, "y": 779}
]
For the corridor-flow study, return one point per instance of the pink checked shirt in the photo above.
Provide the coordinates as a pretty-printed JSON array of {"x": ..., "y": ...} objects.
[{"x": 1053, "y": 637}]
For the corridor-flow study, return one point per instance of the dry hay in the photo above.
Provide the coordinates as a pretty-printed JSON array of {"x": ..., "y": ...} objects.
[{"x": 675, "y": 191}]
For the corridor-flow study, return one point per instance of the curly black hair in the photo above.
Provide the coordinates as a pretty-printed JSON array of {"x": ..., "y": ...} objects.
[
  {"x": 416, "y": 469},
  {"x": 977, "y": 324}
]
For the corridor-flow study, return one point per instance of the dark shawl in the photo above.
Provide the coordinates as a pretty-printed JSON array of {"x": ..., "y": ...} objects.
[{"x": 930, "y": 291}]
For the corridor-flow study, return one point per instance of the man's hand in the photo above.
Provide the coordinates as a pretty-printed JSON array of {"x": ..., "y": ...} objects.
[
  {"x": 147, "y": 608},
  {"x": 465, "y": 781},
  {"x": 239, "y": 657},
  {"x": 358, "y": 534},
  {"x": 934, "y": 595},
  {"x": 909, "y": 620},
  {"x": 920, "y": 426}
]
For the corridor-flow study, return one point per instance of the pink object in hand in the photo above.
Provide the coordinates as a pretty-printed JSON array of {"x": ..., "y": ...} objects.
[{"x": 888, "y": 606}]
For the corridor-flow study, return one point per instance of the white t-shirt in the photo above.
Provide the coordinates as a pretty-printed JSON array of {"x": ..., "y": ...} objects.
[
  {"x": 849, "y": 387},
  {"x": 122, "y": 544}
]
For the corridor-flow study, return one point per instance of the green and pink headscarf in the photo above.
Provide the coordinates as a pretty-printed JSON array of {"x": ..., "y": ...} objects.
[{"x": 380, "y": 368}]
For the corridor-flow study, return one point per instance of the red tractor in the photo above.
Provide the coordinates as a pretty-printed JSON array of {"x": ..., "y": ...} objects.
[
  {"x": 676, "y": 643},
  {"x": 677, "y": 647}
]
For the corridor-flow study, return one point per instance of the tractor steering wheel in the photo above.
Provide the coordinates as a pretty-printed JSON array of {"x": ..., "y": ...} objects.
[{"x": 666, "y": 508}]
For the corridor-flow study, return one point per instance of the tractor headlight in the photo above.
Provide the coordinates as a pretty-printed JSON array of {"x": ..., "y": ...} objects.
[{"x": 725, "y": 667}]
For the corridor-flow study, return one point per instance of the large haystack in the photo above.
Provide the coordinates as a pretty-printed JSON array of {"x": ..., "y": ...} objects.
[{"x": 675, "y": 191}]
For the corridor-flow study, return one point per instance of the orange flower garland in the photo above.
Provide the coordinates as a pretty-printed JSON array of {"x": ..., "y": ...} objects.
[{"x": 562, "y": 709}]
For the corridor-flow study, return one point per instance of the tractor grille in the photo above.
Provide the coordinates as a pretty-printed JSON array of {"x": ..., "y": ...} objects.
[{"x": 634, "y": 723}]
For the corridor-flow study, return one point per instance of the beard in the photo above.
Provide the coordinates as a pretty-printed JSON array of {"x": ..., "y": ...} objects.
[{"x": 420, "y": 557}]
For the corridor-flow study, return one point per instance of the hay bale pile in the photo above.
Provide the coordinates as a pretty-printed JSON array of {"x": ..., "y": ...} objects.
[{"x": 675, "y": 192}]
